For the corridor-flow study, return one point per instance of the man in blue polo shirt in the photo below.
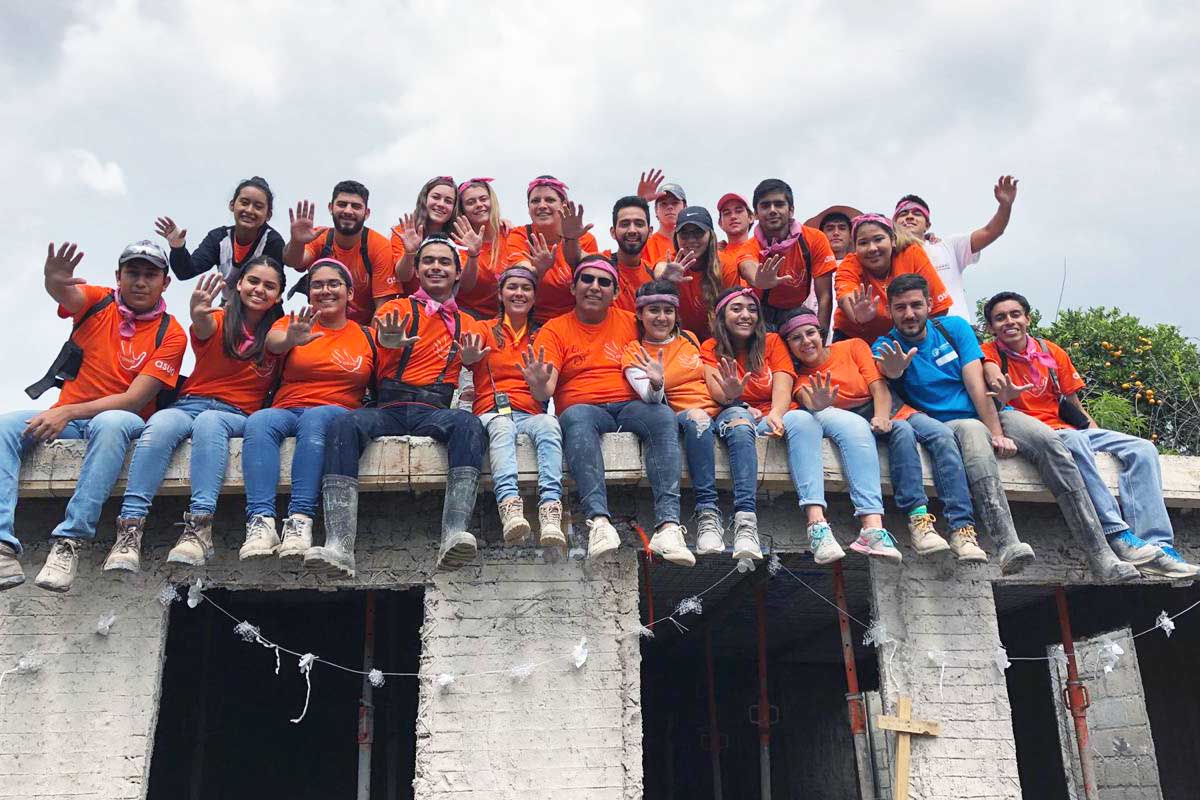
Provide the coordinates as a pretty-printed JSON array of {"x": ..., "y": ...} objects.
[{"x": 937, "y": 366}]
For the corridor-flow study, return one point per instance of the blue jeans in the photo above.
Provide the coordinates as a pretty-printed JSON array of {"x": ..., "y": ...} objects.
[
  {"x": 211, "y": 424},
  {"x": 546, "y": 435},
  {"x": 108, "y": 435},
  {"x": 700, "y": 433},
  {"x": 1139, "y": 484},
  {"x": 459, "y": 430},
  {"x": 265, "y": 432},
  {"x": 852, "y": 436},
  {"x": 949, "y": 474},
  {"x": 654, "y": 424}
]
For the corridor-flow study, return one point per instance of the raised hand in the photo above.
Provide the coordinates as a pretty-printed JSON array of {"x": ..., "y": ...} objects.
[
  {"x": 60, "y": 266},
  {"x": 392, "y": 331},
  {"x": 819, "y": 393},
  {"x": 892, "y": 359},
  {"x": 299, "y": 330},
  {"x": 536, "y": 371},
  {"x": 731, "y": 382},
  {"x": 572, "y": 221},
  {"x": 166, "y": 228},
  {"x": 411, "y": 234},
  {"x": 863, "y": 304},
  {"x": 541, "y": 256},
  {"x": 301, "y": 220},
  {"x": 1005, "y": 190},
  {"x": 465, "y": 236},
  {"x": 653, "y": 367},
  {"x": 767, "y": 275},
  {"x": 676, "y": 270},
  {"x": 1005, "y": 391},
  {"x": 472, "y": 349},
  {"x": 648, "y": 185},
  {"x": 208, "y": 288}
]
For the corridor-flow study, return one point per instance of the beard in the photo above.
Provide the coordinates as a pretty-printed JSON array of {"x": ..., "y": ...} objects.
[
  {"x": 632, "y": 248},
  {"x": 349, "y": 228}
]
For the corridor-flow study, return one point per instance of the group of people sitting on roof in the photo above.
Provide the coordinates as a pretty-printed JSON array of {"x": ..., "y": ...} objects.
[{"x": 474, "y": 331}]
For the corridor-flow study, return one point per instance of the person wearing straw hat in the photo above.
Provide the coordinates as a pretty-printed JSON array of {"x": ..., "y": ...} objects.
[{"x": 834, "y": 222}]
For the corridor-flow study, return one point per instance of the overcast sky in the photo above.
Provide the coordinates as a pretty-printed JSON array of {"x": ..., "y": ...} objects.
[{"x": 113, "y": 112}]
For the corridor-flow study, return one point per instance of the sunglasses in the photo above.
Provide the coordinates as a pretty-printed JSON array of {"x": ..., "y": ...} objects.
[{"x": 588, "y": 279}]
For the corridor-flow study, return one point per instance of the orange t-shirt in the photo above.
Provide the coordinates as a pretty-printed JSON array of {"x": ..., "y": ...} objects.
[
  {"x": 1040, "y": 402},
  {"x": 588, "y": 358},
  {"x": 333, "y": 370},
  {"x": 240, "y": 383},
  {"x": 483, "y": 299},
  {"x": 853, "y": 369},
  {"x": 758, "y": 389},
  {"x": 823, "y": 263},
  {"x": 683, "y": 372},
  {"x": 631, "y": 279},
  {"x": 240, "y": 251},
  {"x": 659, "y": 247},
  {"x": 430, "y": 353},
  {"x": 383, "y": 271},
  {"x": 554, "y": 295},
  {"x": 110, "y": 363},
  {"x": 693, "y": 311},
  {"x": 500, "y": 371},
  {"x": 732, "y": 255},
  {"x": 851, "y": 276}
]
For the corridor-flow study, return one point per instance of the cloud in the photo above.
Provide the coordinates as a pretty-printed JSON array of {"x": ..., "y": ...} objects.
[{"x": 102, "y": 177}]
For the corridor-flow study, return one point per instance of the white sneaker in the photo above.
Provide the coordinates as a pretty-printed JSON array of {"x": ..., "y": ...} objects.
[
  {"x": 824, "y": 547},
  {"x": 876, "y": 542},
  {"x": 745, "y": 536},
  {"x": 1133, "y": 550},
  {"x": 59, "y": 570},
  {"x": 669, "y": 543},
  {"x": 710, "y": 537},
  {"x": 1169, "y": 564},
  {"x": 296, "y": 539},
  {"x": 261, "y": 539},
  {"x": 602, "y": 537}
]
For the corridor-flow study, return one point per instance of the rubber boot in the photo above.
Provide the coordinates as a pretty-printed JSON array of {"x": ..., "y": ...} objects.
[
  {"x": 339, "y": 495},
  {"x": 994, "y": 513},
  {"x": 458, "y": 546},
  {"x": 1084, "y": 523}
]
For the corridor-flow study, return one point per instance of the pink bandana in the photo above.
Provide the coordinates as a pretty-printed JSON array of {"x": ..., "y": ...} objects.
[
  {"x": 874, "y": 219},
  {"x": 553, "y": 183},
  {"x": 651, "y": 299},
  {"x": 1033, "y": 356},
  {"x": 727, "y": 299},
  {"x": 465, "y": 184},
  {"x": 911, "y": 205},
  {"x": 445, "y": 310},
  {"x": 798, "y": 321},
  {"x": 782, "y": 246},
  {"x": 129, "y": 317},
  {"x": 596, "y": 262}
]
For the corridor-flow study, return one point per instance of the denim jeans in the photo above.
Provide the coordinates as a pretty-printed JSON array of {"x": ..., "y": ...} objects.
[
  {"x": 108, "y": 435},
  {"x": 211, "y": 424},
  {"x": 699, "y": 438},
  {"x": 949, "y": 474},
  {"x": 851, "y": 435},
  {"x": 983, "y": 476},
  {"x": 264, "y": 433},
  {"x": 460, "y": 431},
  {"x": 655, "y": 426},
  {"x": 1139, "y": 484},
  {"x": 543, "y": 430}
]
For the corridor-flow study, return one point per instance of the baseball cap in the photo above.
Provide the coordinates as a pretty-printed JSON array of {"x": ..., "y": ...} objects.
[
  {"x": 730, "y": 197},
  {"x": 815, "y": 221},
  {"x": 673, "y": 189},
  {"x": 694, "y": 215},
  {"x": 146, "y": 250}
]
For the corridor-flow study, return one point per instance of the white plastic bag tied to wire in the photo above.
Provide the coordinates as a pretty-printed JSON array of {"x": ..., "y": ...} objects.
[
  {"x": 306, "y": 665},
  {"x": 168, "y": 594},
  {"x": 1000, "y": 657},
  {"x": 580, "y": 653},
  {"x": 1110, "y": 654},
  {"x": 521, "y": 672},
  {"x": 444, "y": 681},
  {"x": 29, "y": 662},
  {"x": 248, "y": 632},
  {"x": 374, "y": 677},
  {"x": 774, "y": 565},
  {"x": 1165, "y": 623},
  {"x": 941, "y": 658},
  {"x": 195, "y": 593},
  {"x": 105, "y": 623},
  {"x": 645, "y": 633},
  {"x": 745, "y": 565},
  {"x": 877, "y": 636}
]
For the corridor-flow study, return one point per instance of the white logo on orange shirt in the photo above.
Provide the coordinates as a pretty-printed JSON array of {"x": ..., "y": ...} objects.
[
  {"x": 690, "y": 362},
  {"x": 612, "y": 352},
  {"x": 129, "y": 361},
  {"x": 762, "y": 378},
  {"x": 346, "y": 361}
]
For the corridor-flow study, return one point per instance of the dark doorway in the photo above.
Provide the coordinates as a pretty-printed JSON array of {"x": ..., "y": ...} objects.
[
  {"x": 223, "y": 726},
  {"x": 811, "y": 746}
]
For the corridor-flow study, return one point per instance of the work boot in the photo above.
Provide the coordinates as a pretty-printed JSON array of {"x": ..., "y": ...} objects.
[
  {"x": 964, "y": 543},
  {"x": 879, "y": 543},
  {"x": 126, "y": 552},
  {"x": 550, "y": 532},
  {"x": 602, "y": 537},
  {"x": 296, "y": 539},
  {"x": 339, "y": 495},
  {"x": 745, "y": 536},
  {"x": 195, "y": 545},
  {"x": 710, "y": 536},
  {"x": 824, "y": 547},
  {"x": 1132, "y": 549},
  {"x": 11, "y": 573},
  {"x": 668, "y": 541},
  {"x": 261, "y": 539},
  {"x": 988, "y": 494},
  {"x": 1169, "y": 564},
  {"x": 512, "y": 519},
  {"x": 1082, "y": 520},
  {"x": 59, "y": 570},
  {"x": 458, "y": 546},
  {"x": 924, "y": 537}
]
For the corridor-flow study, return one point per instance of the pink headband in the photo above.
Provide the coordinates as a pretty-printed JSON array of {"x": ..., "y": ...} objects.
[
  {"x": 911, "y": 205},
  {"x": 596, "y": 263},
  {"x": 724, "y": 301},
  {"x": 874, "y": 219},
  {"x": 517, "y": 272},
  {"x": 798, "y": 321},
  {"x": 553, "y": 183},
  {"x": 465, "y": 184},
  {"x": 650, "y": 299}
]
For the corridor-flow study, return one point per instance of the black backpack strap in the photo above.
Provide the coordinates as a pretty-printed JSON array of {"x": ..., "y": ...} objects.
[
  {"x": 366, "y": 259},
  {"x": 164, "y": 322},
  {"x": 327, "y": 248},
  {"x": 691, "y": 339},
  {"x": 94, "y": 309},
  {"x": 1003, "y": 360},
  {"x": 453, "y": 351},
  {"x": 937, "y": 324},
  {"x": 372, "y": 389},
  {"x": 414, "y": 323},
  {"x": 1052, "y": 370}
]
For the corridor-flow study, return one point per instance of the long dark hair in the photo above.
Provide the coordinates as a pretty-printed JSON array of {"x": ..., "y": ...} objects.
[
  {"x": 235, "y": 316},
  {"x": 421, "y": 213},
  {"x": 710, "y": 263},
  {"x": 756, "y": 348}
]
